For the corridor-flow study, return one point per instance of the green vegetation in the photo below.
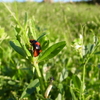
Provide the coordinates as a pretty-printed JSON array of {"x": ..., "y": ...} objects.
[{"x": 69, "y": 64}]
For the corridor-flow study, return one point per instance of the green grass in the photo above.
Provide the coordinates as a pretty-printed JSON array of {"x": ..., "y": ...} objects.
[{"x": 75, "y": 70}]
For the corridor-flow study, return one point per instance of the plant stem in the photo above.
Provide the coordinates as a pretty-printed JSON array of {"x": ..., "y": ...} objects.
[
  {"x": 39, "y": 75},
  {"x": 83, "y": 80}
]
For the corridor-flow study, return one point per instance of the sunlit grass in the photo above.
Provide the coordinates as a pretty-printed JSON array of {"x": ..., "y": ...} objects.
[{"x": 75, "y": 70}]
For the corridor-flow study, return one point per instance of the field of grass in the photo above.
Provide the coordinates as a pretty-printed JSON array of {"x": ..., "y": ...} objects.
[{"x": 68, "y": 68}]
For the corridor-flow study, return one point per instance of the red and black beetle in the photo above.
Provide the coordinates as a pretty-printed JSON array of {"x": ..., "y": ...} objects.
[{"x": 36, "y": 47}]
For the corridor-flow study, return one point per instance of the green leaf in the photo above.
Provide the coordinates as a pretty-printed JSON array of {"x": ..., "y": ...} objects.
[
  {"x": 43, "y": 34},
  {"x": 45, "y": 44},
  {"x": 76, "y": 81},
  {"x": 1, "y": 52},
  {"x": 52, "y": 51},
  {"x": 17, "y": 29},
  {"x": 89, "y": 48},
  {"x": 11, "y": 82},
  {"x": 60, "y": 87},
  {"x": 72, "y": 91},
  {"x": 41, "y": 96},
  {"x": 97, "y": 53},
  {"x": 30, "y": 89},
  {"x": 25, "y": 18},
  {"x": 59, "y": 97},
  {"x": 64, "y": 74},
  {"x": 95, "y": 38},
  {"x": 17, "y": 49}
]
